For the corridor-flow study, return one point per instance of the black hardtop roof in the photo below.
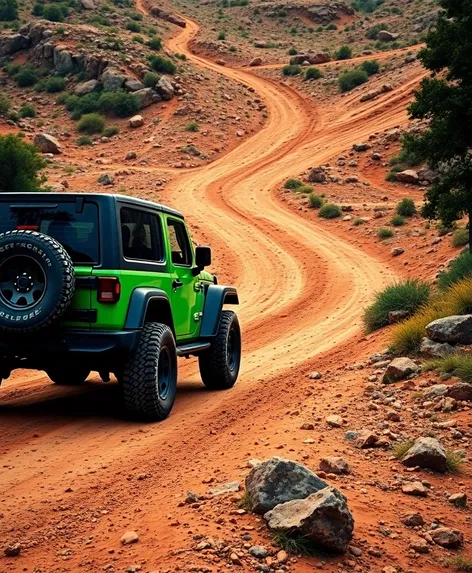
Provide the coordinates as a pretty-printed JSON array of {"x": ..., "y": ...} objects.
[{"x": 49, "y": 197}]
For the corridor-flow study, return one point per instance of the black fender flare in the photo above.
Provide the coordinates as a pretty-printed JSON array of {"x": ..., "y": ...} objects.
[
  {"x": 216, "y": 297},
  {"x": 139, "y": 303}
]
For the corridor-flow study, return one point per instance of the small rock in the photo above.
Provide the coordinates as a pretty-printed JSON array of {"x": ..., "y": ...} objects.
[
  {"x": 459, "y": 499},
  {"x": 315, "y": 376},
  {"x": 47, "y": 144},
  {"x": 136, "y": 121},
  {"x": 366, "y": 439},
  {"x": 408, "y": 176},
  {"x": 415, "y": 488},
  {"x": 426, "y": 453},
  {"x": 395, "y": 316},
  {"x": 258, "y": 552},
  {"x": 334, "y": 465},
  {"x": 334, "y": 421},
  {"x": 447, "y": 537},
  {"x": 12, "y": 550},
  {"x": 431, "y": 349},
  {"x": 419, "y": 545},
  {"x": 223, "y": 488},
  {"x": 129, "y": 537},
  {"x": 397, "y": 251},
  {"x": 413, "y": 520},
  {"x": 106, "y": 179},
  {"x": 462, "y": 392},
  {"x": 399, "y": 369},
  {"x": 361, "y": 147}
]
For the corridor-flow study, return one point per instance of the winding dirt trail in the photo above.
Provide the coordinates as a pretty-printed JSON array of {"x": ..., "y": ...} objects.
[{"x": 303, "y": 290}]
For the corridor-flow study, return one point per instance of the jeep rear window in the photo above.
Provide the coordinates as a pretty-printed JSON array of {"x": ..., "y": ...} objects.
[{"x": 77, "y": 232}]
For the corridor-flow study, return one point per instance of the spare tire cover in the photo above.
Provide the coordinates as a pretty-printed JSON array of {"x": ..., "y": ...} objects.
[{"x": 37, "y": 281}]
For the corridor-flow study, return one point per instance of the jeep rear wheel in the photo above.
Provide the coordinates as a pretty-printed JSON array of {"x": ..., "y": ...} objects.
[
  {"x": 68, "y": 376},
  {"x": 219, "y": 365},
  {"x": 150, "y": 374}
]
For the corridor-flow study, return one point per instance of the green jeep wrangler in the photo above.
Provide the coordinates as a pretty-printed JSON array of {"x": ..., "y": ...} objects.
[{"x": 111, "y": 284}]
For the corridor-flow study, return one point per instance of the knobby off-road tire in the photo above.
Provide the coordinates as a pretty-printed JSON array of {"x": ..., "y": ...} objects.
[
  {"x": 72, "y": 376},
  {"x": 37, "y": 281},
  {"x": 219, "y": 365},
  {"x": 150, "y": 374}
]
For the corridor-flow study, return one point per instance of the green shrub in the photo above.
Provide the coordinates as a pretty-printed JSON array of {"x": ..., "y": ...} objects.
[
  {"x": 182, "y": 57},
  {"x": 391, "y": 177},
  {"x": 4, "y": 104},
  {"x": 408, "y": 295},
  {"x": 20, "y": 165},
  {"x": 371, "y": 67},
  {"x": 330, "y": 211},
  {"x": 313, "y": 74},
  {"x": 291, "y": 70},
  {"x": 8, "y": 10},
  {"x": 133, "y": 27},
  {"x": 292, "y": 52},
  {"x": 91, "y": 123},
  {"x": 406, "y": 207},
  {"x": 460, "y": 238},
  {"x": 344, "y": 53},
  {"x": 385, "y": 233},
  {"x": 222, "y": 35},
  {"x": 51, "y": 85},
  {"x": 119, "y": 103},
  {"x": 315, "y": 201},
  {"x": 331, "y": 27},
  {"x": 374, "y": 30},
  {"x": 162, "y": 65},
  {"x": 349, "y": 80},
  {"x": 155, "y": 44},
  {"x": 27, "y": 111},
  {"x": 55, "y": 12},
  {"x": 192, "y": 126},
  {"x": 398, "y": 221},
  {"x": 84, "y": 140},
  {"x": 150, "y": 79},
  {"x": 460, "y": 268},
  {"x": 12, "y": 69},
  {"x": 14, "y": 116},
  {"x": 111, "y": 131},
  {"x": 293, "y": 184},
  {"x": 26, "y": 77},
  {"x": 404, "y": 159}
]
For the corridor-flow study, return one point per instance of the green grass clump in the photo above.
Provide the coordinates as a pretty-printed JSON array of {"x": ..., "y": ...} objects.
[
  {"x": 192, "y": 126},
  {"x": 91, "y": 123},
  {"x": 399, "y": 450},
  {"x": 315, "y": 201},
  {"x": 111, "y": 131},
  {"x": 460, "y": 268},
  {"x": 398, "y": 221},
  {"x": 406, "y": 207},
  {"x": 371, "y": 67},
  {"x": 459, "y": 365},
  {"x": 307, "y": 189},
  {"x": 154, "y": 44},
  {"x": 291, "y": 70},
  {"x": 162, "y": 65},
  {"x": 409, "y": 295},
  {"x": 4, "y": 104},
  {"x": 294, "y": 544},
  {"x": 27, "y": 111},
  {"x": 460, "y": 238},
  {"x": 352, "y": 79},
  {"x": 330, "y": 211},
  {"x": 313, "y": 74},
  {"x": 344, "y": 53},
  {"x": 150, "y": 80},
  {"x": 385, "y": 233},
  {"x": 359, "y": 221},
  {"x": 293, "y": 184},
  {"x": 84, "y": 140},
  {"x": 460, "y": 563}
]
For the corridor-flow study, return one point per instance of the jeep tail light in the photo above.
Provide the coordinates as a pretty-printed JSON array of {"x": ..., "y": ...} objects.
[
  {"x": 27, "y": 227},
  {"x": 109, "y": 289}
]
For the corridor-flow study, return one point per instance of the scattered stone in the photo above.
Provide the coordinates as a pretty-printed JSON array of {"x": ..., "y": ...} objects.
[
  {"x": 258, "y": 552},
  {"x": 386, "y": 36},
  {"x": 12, "y": 550},
  {"x": 447, "y": 537},
  {"x": 282, "y": 557},
  {"x": 399, "y": 369},
  {"x": 131, "y": 155},
  {"x": 396, "y": 251},
  {"x": 255, "y": 62},
  {"x": 136, "y": 121},
  {"x": 316, "y": 175},
  {"x": 366, "y": 439},
  {"x": 419, "y": 545},
  {"x": 361, "y": 147},
  {"x": 415, "y": 488},
  {"x": 323, "y": 518},
  {"x": 462, "y": 392},
  {"x": 277, "y": 480},
  {"x": 223, "y": 488},
  {"x": 334, "y": 465},
  {"x": 167, "y": 16},
  {"x": 452, "y": 329},
  {"x": 431, "y": 349},
  {"x": 47, "y": 144},
  {"x": 459, "y": 499},
  {"x": 426, "y": 453},
  {"x": 165, "y": 88},
  {"x": 134, "y": 85},
  {"x": 106, "y": 179},
  {"x": 315, "y": 376},
  {"x": 334, "y": 421},
  {"x": 129, "y": 537},
  {"x": 413, "y": 520},
  {"x": 313, "y": 59},
  {"x": 85, "y": 88},
  {"x": 408, "y": 176}
]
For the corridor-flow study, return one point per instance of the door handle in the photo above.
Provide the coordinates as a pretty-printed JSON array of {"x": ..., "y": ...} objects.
[{"x": 177, "y": 284}]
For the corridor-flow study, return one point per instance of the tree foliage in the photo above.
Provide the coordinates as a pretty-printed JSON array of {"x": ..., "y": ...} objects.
[
  {"x": 444, "y": 100},
  {"x": 8, "y": 10},
  {"x": 20, "y": 165}
]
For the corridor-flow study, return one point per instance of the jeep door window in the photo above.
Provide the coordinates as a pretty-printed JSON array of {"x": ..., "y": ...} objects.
[
  {"x": 179, "y": 243},
  {"x": 77, "y": 232},
  {"x": 141, "y": 235}
]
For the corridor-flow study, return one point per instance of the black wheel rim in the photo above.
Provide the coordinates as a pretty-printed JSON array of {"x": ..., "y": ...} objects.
[
  {"x": 164, "y": 373},
  {"x": 22, "y": 282},
  {"x": 233, "y": 350}
]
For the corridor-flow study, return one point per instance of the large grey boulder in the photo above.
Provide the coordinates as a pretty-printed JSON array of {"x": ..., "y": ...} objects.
[
  {"x": 319, "y": 58},
  {"x": 447, "y": 537},
  {"x": 408, "y": 176},
  {"x": 47, "y": 143},
  {"x": 134, "y": 85},
  {"x": 432, "y": 349},
  {"x": 426, "y": 453},
  {"x": 12, "y": 43},
  {"x": 386, "y": 36},
  {"x": 62, "y": 59},
  {"x": 323, "y": 518},
  {"x": 452, "y": 329},
  {"x": 112, "y": 80},
  {"x": 278, "y": 480},
  {"x": 400, "y": 369},
  {"x": 462, "y": 392},
  {"x": 85, "y": 88},
  {"x": 146, "y": 97},
  {"x": 165, "y": 88}
]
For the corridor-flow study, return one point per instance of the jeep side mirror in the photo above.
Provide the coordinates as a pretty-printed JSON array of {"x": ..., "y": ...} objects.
[{"x": 202, "y": 257}]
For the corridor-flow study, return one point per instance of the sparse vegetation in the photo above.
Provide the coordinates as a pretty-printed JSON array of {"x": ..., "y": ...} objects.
[
  {"x": 119, "y": 103},
  {"x": 192, "y": 126},
  {"x": 398, "y": 221},
  {"x": 111, "y": 131},
  {"x": 306, "y": 189},
  {"x": 349, "y": 80},
  {"x": 20, "y": 165},
  {"x": 291, "y": 70},
  {"x": 91, "y": 123},
  {"x": 459, "y": 365},
  {"x": 27, "y": 111},
  {"x": 294, "y": 544},
  {"x": 154, "y": 44},
  {"x": 409, "y": 295},
  {"x": 399, "y": 450},
  {"x": 292, "y": 52},
  {"x": 460, "y": 238},
  {"x": 133, "y": 27},
  {"x": 84, "y": 140},
  {"x": 330, "y": 211},
  {"x": 406, "y": 207},
  {"x": 460, "y": 268},
  {"x": 371, "y": 67},
  {"x": 315, "y": 201},
  {"x": 51, "y": 85},
  {"x": 222, "y": 35},
  {"x": 150, "y": 79},
  {"x": 344, "y": 53},
  {"x": 162, "y": 65},
  {"x": 313, "y": 74},
  {"x": 26, "y": 76},
  {"x": 385, "y": 233},
  {"x": 293, "y": 184},
  {"x": 4, "y": 104},
  {"x": 454, "y": 462},
  {"x": 460, "y": 563}
]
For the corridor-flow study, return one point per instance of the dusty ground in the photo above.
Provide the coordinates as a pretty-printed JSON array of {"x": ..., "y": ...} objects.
[{"x": 76, "y": 474}]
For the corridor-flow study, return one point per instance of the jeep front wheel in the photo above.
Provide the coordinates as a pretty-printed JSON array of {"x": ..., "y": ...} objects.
[
  {"x": 150, "y": 374},
  {"x": 219, "y": 365}
]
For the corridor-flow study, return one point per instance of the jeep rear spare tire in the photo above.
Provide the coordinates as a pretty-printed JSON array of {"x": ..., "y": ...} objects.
[{"x": 37, "y": 281}]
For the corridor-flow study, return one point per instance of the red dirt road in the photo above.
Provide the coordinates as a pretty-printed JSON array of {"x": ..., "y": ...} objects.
[{"x": 71, "y": 464}]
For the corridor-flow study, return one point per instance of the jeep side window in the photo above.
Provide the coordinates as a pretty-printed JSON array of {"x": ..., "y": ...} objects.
[
  {"x": 179, "y": 243},
  {"x": 141, "y": 235}
]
